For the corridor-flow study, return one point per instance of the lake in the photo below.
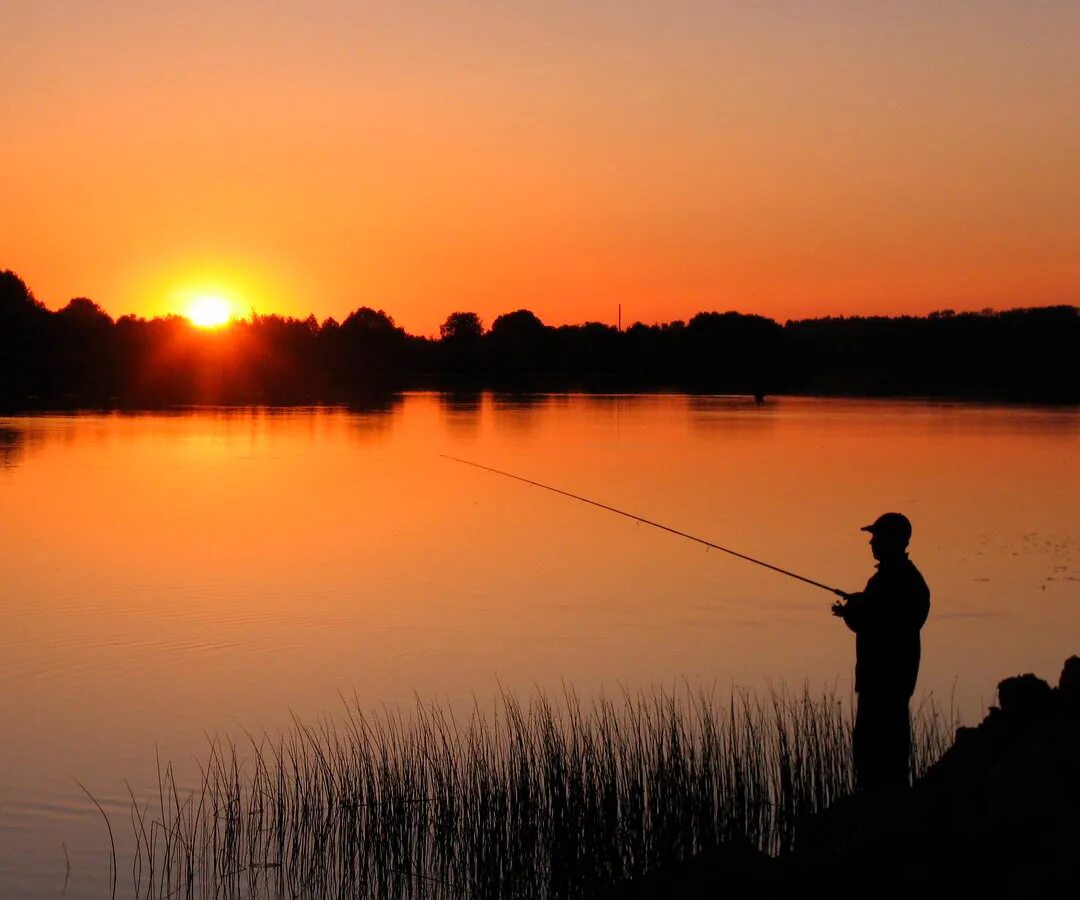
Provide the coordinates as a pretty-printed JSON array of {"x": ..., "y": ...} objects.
[{"x": 166, "y": 577}]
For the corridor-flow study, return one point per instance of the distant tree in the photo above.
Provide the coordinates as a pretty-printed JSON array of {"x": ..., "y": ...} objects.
[
  {"x": 462, "y": 328},
  {"x": 85, "y": 314},
  {"x": 24, "y": 341},
  {"x": 733, "y": 351},
  {"x": 716, "y": 324},
  {"x": 522, "y": 349},
  {"x": 521, "y": 324},
  {"x": 372, "y": 349},
  {"x": 84, "y": 361},
  {"x": 366, "y": 319},
  {"x": 17, "y": 303}
]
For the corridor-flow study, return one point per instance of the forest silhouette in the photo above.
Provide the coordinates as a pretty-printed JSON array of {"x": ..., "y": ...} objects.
[{"x": 79, "y": 355}]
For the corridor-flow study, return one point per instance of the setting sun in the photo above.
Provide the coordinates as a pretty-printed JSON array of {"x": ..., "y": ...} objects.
[{"x": 209, "y": 312}]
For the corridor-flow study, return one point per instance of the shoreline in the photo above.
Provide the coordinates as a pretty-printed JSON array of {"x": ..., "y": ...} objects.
[{"x": 373, "y": 401}]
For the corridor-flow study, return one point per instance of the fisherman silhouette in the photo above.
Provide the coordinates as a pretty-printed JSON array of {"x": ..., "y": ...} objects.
[{"x": 886, "y": 617}]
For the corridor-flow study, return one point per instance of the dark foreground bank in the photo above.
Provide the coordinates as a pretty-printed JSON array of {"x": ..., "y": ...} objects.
[{"x": 997, "y": 815}]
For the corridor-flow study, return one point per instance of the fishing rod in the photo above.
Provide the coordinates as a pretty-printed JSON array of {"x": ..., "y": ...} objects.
[{"x": 644, "y": 521}]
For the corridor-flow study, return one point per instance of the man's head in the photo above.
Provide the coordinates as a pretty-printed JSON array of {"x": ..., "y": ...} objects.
[{"x": 889, "y": 535}]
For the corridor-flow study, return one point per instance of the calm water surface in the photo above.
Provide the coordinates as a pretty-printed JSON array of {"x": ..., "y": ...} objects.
[{"x": 165, "y": 577}]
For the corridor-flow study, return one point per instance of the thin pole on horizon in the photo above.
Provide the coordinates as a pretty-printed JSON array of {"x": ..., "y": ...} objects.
[
  {"x": 645, "y": 521},
  {"x": 620, "y": 318}
]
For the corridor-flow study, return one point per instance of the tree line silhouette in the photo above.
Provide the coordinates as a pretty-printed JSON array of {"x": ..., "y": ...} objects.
[{"x": 79, "y": 355}]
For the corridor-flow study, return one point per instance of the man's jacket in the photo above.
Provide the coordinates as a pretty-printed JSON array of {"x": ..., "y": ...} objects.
[{"x": 886, "y": 618}]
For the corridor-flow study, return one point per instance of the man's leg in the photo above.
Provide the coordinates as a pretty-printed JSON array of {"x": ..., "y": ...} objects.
[{"x": 882, "y": 743}]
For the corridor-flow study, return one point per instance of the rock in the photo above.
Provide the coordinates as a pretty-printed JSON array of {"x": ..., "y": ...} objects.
[
  {"x": 1025, "y": 696},
  {"x": 1069, "y": 683}
]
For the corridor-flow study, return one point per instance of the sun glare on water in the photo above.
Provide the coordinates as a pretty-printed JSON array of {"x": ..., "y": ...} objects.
[{"x": 209, "y": 312}]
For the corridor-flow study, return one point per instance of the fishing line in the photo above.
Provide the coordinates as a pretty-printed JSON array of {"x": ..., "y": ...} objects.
[{"x": 555, "y": 490}]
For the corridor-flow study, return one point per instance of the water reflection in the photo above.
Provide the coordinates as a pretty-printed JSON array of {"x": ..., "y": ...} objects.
[
  {"x": 375, "y": 404},
  {"x": 518, "y": 414},
  {"x": 522, "y": 401},
  {"x": 223, "y": 427},
  {"x": 708, "y": 414},
  {"x": 17, "y": 443},
  {"x": 377, "y": 415},
  {"x": 461, "y": 411},
  {"x": 11, "y": 446}
]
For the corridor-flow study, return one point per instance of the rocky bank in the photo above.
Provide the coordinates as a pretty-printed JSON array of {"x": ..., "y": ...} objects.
[{"x": 997, "y": 816}]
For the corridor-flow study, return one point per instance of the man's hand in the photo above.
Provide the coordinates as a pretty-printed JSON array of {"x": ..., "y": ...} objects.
[{"x": 838, "y": 608}]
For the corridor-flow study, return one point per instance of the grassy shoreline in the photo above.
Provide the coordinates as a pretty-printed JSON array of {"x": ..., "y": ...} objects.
[{"x": 550, "y": 798}]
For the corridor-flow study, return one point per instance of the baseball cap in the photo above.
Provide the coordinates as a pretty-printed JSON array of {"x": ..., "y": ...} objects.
[{"x": 891, "y": 525}]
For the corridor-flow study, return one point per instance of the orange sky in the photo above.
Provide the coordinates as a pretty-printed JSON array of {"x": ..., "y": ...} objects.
[{"x": 790, "y": 159}]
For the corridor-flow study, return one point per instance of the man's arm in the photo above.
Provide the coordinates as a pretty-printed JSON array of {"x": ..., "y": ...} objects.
[{"x": 852, "y": 610}]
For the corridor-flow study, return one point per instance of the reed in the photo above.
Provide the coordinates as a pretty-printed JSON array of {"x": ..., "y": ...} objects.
[{"x": 551, "y": 798}]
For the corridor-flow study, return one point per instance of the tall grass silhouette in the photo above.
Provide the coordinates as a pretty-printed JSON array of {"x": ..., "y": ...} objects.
[{"x": 553, "y": 798}]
